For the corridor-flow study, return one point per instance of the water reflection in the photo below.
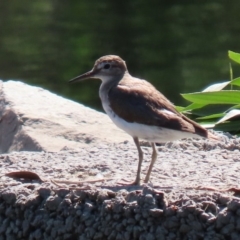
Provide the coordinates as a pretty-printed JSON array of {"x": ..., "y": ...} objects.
[{"x": 179, "y": 47}]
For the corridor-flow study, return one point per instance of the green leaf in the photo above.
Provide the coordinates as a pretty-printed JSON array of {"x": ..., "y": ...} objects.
[
  {"x": 179, "y": 108},
  {"x": 211, "y": 109},
  {"x": 233, "y": 113},
  {"x": 233, "y": 107},
  {"x": 217, "y": 115},
  {"x": 235, "y": 81},
  {"x": 192, "y": 107},
  {"x": 216, "y": 87},
  {"x": 221, "y": 97},
  {"x": 234, "y": 56},
  {"x": 232, "y": 126}
]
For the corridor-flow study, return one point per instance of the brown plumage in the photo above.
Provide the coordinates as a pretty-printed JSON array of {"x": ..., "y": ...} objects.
[{"x": 140, "y": 102}]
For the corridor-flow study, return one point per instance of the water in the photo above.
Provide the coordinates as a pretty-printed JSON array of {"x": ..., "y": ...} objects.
[{"x": 179, "y": 47}]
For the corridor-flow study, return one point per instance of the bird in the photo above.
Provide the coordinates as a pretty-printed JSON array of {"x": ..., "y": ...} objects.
[{"x": 137, "y": 107}]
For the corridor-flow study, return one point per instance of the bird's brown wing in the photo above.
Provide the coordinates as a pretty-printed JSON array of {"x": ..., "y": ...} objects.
[{"x": 142, "y": 103}]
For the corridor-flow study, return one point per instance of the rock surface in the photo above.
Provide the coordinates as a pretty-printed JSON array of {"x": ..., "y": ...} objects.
[
  {"x": 34, "y": 119},
  {"x": 61, "y": 206}
]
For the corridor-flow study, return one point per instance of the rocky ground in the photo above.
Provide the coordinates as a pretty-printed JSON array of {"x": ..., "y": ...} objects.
[{"x": 193, "y": 193}]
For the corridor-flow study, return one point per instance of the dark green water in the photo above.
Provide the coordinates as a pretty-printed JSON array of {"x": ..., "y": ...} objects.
[{"x": 179, "y": 47}]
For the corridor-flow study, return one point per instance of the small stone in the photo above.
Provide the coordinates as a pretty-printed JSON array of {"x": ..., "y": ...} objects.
[
  {"x": 98, "y": 235},
  {"x": 145, "y": 213},
  {"x": 116, "y": 216},
  {"x": 191, "y": 217},
  {"x": 161, "y": 230},
  {"x": 103, "y": 195},
  {"x": 85, "y": 215},
  {"x": 191, "y": 208},
  {"x": 88, "y": 222},
  {"x": 235, "y": 235},
  {"x": 234, "y": 205},
  {"x": 136, "y": 232},
  {"x": 44, "y": 192},
  {"x": 69, "y": 223},
  {"x": 137, "y": 217},
  {"x": 57, "y": 223},
  {"x": 171, "y": 236},
  {"x": 224, "y": 199},
  {"x": 79, "y": 212},
  {"x": 172, "y": 222},
  {"x": 37, "y": 234},
  {"x": 149, "y": 199},
  {"x": 4, "y": 225},
  {"x": 88, "y": 206},
  {"x": 238, "y": 212},
  {"x": 67, "y": 236},
  {"x": 211, "y": 220},
  {"x": 10, "y": 212},
  {"x": 228, "y": 229},
  {"x": 196, "y": 225},
  {"x": 119, "y": 236},
  {"x": 127, "y": 236},
  {"x": 132, "y": 196},
  {"x": 54, "y": 233},
  {"x": 25, "y": 227},
  {"x": 37, "y": 221},
  {"x": 184, "y": 228},
  {"x": 147, "y": 190},
  {"x": 118, "y": 207},
  {"x": 150, "y": 236},
  {"x": 9, "y": 196},
  {"x": 198, "y": 211},
  {"x": 131, "y": 221},
  {"x": 155, "y": 212},
  {"x": 112, "y": 236},
  {"x": 204, "y": 216},
  {"x": 143, "y": 223},
  {"x": 119, "y": 227},
  {"x": 169, "y": 212},
  {"x": 223, "y": 218},
  {"x": 32, "y": 200},
  {"x": 81, "y": 194},
  {"x": 52, "y": 202},
  {"x": 62, "y": 192},
  {"x": 182, "y": 213}
]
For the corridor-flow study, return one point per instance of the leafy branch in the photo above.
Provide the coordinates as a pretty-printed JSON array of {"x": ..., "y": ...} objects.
[{"x": 217, "y": 107}]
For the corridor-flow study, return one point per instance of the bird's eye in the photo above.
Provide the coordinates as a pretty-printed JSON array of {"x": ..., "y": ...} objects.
[{"x": 107, "y": 66}]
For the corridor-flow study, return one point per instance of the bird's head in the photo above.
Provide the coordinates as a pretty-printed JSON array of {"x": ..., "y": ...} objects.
[{"x": 106, "y": 68}]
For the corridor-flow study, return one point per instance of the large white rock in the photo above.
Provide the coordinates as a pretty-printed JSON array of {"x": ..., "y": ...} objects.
[{"x": 34, "y": 119}]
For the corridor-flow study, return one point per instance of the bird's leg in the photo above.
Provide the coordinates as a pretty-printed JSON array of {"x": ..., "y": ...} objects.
[
  {"x": 154, "y": 157},
  {"x": 140, "y": 155}
]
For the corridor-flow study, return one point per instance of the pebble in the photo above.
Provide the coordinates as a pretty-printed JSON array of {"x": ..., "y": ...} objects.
[{"x": 234, "y": 205}]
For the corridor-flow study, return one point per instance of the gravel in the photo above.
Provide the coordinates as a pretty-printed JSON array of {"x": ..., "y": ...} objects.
[{"x": 171, "y": 206}]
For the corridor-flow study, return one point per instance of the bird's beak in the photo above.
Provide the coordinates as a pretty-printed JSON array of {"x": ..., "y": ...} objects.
[{"x": 84, "y": 76}]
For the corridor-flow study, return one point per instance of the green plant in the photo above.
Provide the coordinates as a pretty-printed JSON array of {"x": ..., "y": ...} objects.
[{"x": 217, "y": 108}]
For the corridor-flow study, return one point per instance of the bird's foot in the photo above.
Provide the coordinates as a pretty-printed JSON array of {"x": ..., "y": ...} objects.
[
  {"x": 145, "y": 181},
  {"x": 126, "y": 182}
]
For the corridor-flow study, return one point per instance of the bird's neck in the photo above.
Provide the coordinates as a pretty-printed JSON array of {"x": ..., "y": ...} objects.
[{"x": 110, "y": 82}]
